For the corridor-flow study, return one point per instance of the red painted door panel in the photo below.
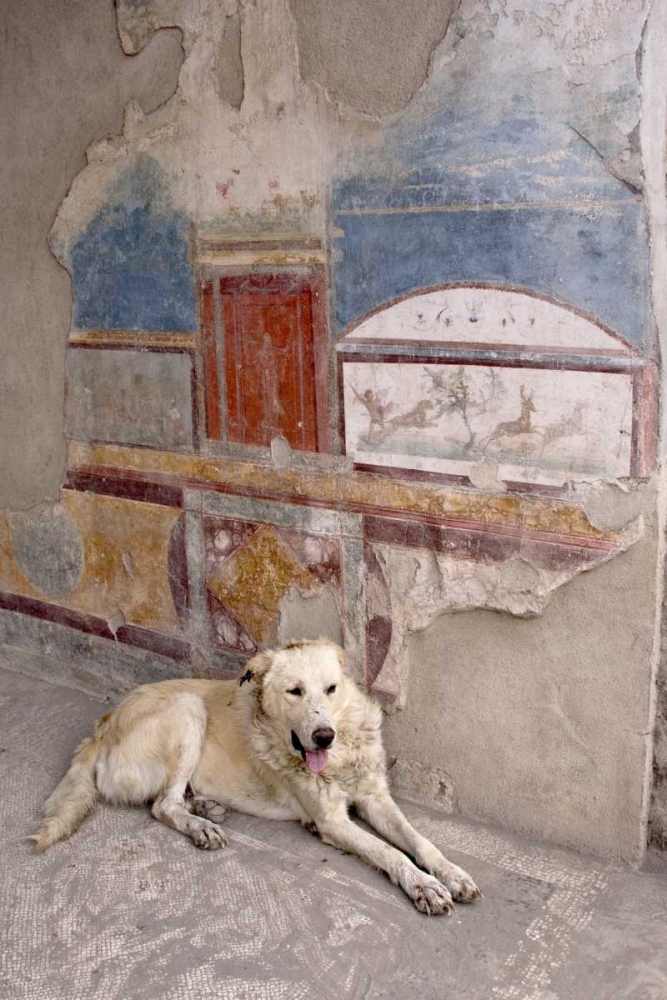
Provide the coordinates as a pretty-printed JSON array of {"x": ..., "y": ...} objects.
[{"x": 269, "y": 360}]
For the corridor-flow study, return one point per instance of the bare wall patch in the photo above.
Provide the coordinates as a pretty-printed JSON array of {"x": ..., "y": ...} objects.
[{"x": 372, "y": 56}]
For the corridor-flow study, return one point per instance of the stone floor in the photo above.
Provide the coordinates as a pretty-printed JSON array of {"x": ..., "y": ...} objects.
[{"x": 129, "y": 909}]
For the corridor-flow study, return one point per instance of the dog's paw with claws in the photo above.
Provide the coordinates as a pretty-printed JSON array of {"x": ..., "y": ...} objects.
[
  {"x": 431, "y": 897},
  {"x": 207, "y": 836},
  {"x": 459, "y": 884}
]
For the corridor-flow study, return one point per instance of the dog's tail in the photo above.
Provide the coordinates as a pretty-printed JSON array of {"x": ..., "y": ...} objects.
[{"x": 73, "y": 799}]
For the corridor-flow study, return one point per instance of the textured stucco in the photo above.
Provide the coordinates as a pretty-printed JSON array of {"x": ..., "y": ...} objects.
[
  {"x": 542, "y": 723},
  {"x": 371, "y": 56},
  {"x": 65, "y": 82}
]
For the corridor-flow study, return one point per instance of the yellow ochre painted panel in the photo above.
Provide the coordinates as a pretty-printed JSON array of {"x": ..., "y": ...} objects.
[
  {"x": 370, "y": 492},
  {"x": 253, "y": 581},
  {"x": 125, "y": 559},
  {"x": 125, "y": 569}
]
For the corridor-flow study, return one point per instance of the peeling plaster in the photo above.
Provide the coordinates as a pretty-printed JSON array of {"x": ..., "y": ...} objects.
[
  {"x": 424, "y": 585},
  {"x": 558, "y": 134},
  {"x": 281, "y": 453},
  {"x": 116, "y": 621},
  {"x": 229, "y": 63},
  {"x": 309, "y": 616},
  {"x": 484, "y": 475},
  {"x": 612, "y": 506},
  {"x": 229, "y": 165},
  {"x": 48, "y": 549},
  {"x": 420, "y": 782}
]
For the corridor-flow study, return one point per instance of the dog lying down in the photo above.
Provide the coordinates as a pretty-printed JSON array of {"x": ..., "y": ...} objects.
[{"x": 294, "y": 740}]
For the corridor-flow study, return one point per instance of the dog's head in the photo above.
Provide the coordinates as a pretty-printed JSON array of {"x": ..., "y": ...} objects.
[{"x": 302, "y": 690}]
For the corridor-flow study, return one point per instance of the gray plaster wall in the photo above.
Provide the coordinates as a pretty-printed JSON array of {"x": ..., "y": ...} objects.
[
  {"x": 372, "y": 56},
  {"x": 64, "y": 82},
  {"x": 541, "y": 723}
]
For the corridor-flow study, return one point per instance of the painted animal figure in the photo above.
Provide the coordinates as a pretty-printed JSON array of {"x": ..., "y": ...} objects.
[
  {"x": 418, "y": 416},
  {"x": 510, "y": 428},
  {"x": 565, "y": 427},
  {"x": 294, "y": 739}
]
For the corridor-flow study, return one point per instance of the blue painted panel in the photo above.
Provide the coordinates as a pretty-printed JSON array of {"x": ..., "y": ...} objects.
[
  {"x": 463, "y": 180},
  {"x": 131, "y": 266},
  {"x": 446, "y": 161},
  {"x": 595, "y": 261}
]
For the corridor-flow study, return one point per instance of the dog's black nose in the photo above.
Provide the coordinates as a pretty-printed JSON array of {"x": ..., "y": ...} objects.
[{"x": 323, "y": 737}]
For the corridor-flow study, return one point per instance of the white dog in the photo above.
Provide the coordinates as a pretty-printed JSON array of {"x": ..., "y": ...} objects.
[{"x": 294, "y": 740}]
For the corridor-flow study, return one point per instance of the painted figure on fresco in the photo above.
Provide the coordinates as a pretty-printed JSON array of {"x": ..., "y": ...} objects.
[
  {"x": 377, "y": 412},
  {"x": 472, "y": 399},
  {"x": 381, "y": 426},
  {"x": 565, "y": 427},
  {"x": 458, "y": 388},
  {"x": 510, "y": 428}
]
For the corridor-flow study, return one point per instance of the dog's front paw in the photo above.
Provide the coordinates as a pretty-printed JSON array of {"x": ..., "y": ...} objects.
[
  {"x": 459, "y": 883},
  {"x": 208, "y": 836},
  {"x": 430, "y": 897}
]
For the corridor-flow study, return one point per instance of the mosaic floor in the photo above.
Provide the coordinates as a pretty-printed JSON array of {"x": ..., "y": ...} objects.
[{"x": 129, "y": 909}]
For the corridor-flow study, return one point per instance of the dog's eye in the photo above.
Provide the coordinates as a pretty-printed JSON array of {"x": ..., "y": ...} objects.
[
  {"x": 331, "y": 689},
  {"x": 296, "y": 691}
]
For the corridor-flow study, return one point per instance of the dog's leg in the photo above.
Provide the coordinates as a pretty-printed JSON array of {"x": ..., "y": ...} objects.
[
  {"x": 187, "y": 730},
  {"x": 381, "y": 812},
  {"x": 426, "y": 892}
]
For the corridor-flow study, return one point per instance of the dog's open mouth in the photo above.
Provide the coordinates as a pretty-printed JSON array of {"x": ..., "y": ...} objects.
[{"x": 316, "y": 760}]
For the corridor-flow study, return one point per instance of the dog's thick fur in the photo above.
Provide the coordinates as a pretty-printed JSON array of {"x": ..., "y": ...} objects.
[{"x": 295, "y": 739}]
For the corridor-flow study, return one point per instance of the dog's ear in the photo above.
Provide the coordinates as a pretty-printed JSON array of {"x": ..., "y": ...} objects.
[{"x": 257, "y": 667}]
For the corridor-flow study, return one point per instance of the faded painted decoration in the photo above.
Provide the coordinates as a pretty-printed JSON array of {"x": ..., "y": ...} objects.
[
  {"x": 132, "y": 397},
  {"x": 482, "y": 262},
  {"x": 251, "y": 570},
  {"x": 283, "y": 223},
  {"x": 131, "y": 265},
  {"x": 515, "y": 164},
  {"x": 265, "y": 355},
  {"x": 443, "y": 380}
]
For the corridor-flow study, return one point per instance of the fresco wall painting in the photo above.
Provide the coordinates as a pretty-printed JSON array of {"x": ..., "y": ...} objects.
[
  {"x": 430, "y": 386},
  {"x": 542, "y": 392},
  {"x": 266, "y": 354},
  {"x": 445, "y": 320}
]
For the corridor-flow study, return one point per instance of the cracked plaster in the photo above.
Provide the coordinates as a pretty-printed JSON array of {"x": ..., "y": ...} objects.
[{"x": 423, "y": 585}]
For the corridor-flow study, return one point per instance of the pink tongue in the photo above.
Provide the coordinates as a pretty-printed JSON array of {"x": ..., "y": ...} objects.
[{"x": 316, "y": 760}]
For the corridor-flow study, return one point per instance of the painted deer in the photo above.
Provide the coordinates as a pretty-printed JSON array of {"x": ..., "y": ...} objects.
[
  {"x": 510, "y": 428},
  {"x": 574, "y": 424}
]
